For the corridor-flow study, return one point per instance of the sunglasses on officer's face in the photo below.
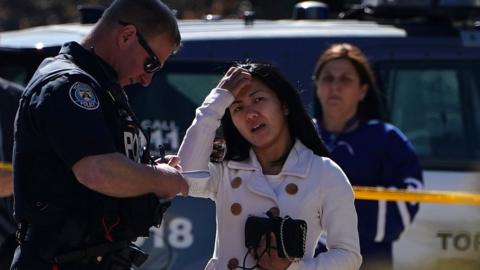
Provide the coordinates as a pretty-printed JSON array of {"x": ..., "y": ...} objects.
[{"x": 152, "y": 64}]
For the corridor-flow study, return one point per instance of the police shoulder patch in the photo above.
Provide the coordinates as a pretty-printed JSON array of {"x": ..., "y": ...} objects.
[{"x": 83, "y": 96}]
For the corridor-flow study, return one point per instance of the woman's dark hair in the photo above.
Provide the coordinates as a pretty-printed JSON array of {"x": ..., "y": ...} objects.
[
  {"x": 300, "y": 124},
  {"x": 370, "y": 106}
]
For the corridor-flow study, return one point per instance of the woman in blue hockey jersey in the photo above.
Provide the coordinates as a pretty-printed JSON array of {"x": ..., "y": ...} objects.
[{"x": 370, "y": 151}]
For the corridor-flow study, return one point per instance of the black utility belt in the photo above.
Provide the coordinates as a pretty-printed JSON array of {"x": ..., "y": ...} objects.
[{"x": 114, "y": 255}]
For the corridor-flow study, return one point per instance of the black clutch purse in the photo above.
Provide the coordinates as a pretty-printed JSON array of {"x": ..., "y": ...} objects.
[{"x": 289, "y": 233}]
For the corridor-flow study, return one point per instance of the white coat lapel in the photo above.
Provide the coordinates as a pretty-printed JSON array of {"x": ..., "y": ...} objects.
[
  {"x": 259, "y": 185},
  {"x": 256, "y": 182},
  {"x": 297, "y": 164},
  {"x": 299, "y": 161}
]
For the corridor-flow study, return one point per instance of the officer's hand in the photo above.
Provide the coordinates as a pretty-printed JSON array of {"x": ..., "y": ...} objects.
[
  {"x": 235, "y": 79},
  {"x": 171, "y": 182},
  {"x": 172, "y": 160},
  {"x": 183, "y": 187}
]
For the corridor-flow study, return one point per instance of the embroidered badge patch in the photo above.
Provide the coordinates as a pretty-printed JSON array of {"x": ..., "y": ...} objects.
[{"x": 83, "y": 96}]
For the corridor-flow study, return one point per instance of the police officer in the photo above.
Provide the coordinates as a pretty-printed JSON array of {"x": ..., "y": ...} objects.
[
  {"x": 81, "y": 194},
  {"x": 9, "y": 96}
]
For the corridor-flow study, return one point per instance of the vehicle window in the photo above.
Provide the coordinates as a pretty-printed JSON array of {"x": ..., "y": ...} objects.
[
  {"x": 18, "y": 65},
  {"x": 167, "y": 107},
  {"x": 193, "y": 86},
  {"x": 433, "y": 104},
  {"x": 16, "y": 74}
]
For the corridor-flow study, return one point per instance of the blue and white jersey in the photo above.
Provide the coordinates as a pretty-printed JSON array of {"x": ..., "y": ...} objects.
[{"x": 378, "y": 154}]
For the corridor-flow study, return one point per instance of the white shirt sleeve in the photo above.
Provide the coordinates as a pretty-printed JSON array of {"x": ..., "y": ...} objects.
[{"x": 197, "y": 144}]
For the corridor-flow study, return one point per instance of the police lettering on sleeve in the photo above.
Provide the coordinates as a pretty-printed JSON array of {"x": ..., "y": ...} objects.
[{"x": 67, "y": 112}]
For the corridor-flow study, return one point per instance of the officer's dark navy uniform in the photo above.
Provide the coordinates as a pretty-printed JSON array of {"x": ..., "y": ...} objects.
[
  {"x": 9, "y": 96},
  {"x": 73, "y": 108}
]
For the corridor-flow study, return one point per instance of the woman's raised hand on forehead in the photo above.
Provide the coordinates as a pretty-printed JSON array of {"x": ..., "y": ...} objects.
[{"x": 235, "y": 79}]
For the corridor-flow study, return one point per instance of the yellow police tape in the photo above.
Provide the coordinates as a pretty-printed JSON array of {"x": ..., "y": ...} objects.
[
  {"x": 6, "y": 166},
  {"x": 376, "y": 193}
]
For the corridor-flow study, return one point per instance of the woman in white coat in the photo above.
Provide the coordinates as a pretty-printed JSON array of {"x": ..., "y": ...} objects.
[{"x": 274, "y": 161}]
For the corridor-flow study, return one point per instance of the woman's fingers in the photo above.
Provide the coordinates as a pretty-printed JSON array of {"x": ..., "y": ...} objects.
[
  {"x": 271, "y": 259},
  {"x": 235, "y": 79},
  {"x": 273, "y": 240},
  {"x": 230, "y": 71}
]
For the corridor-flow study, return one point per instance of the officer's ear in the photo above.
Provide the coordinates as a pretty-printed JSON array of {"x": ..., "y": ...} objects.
[{"x": 126, "y": 35}]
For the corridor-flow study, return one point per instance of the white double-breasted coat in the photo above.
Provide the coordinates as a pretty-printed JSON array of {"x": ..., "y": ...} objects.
[{"x": 310, "y": 188}]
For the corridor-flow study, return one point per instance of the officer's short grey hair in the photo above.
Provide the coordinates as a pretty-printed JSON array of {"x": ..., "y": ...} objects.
[{"x": 150, "y": 17}]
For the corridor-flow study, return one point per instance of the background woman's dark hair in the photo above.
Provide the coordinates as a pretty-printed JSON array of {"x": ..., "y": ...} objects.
[
  {"x": 371, "y": 106},
  {"x": 299, "y": 123}
]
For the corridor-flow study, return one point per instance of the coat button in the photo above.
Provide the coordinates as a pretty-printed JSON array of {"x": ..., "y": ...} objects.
[
  {"x": 236, "y": 209},
  {"x": 236, "y": 182},
  {"x": 274, "y": 211},
  {"x": 232, "y": 263},
  {"x": 291, "y": 189}
]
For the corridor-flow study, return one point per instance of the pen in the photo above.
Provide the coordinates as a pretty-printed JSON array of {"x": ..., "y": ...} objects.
[{"x": 161, "y": 150}]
